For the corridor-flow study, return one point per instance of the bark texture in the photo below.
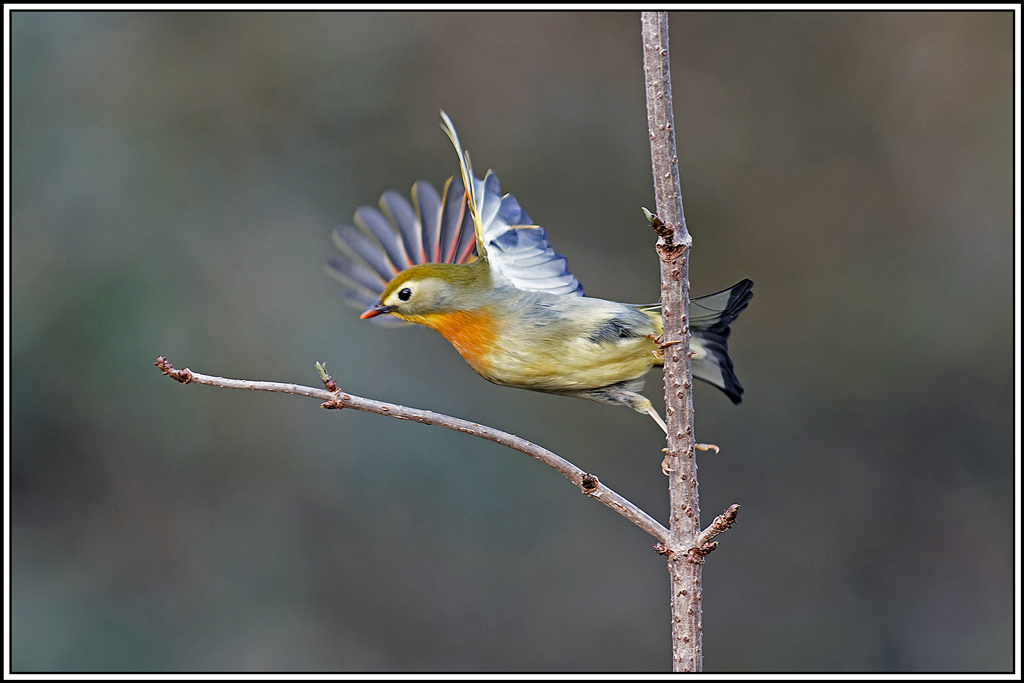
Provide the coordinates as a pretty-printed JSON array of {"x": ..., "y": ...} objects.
[{"x": 684, "y": 557}]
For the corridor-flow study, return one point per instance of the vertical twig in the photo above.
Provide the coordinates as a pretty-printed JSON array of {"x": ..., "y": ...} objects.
[{"x": 674, "y": 241}]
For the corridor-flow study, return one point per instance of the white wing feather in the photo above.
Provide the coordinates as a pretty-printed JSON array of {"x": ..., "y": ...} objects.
[{"x": 516, "y": 250}]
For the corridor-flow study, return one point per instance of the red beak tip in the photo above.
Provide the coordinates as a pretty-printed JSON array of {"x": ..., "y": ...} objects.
[{"x": 370, "y": 312}]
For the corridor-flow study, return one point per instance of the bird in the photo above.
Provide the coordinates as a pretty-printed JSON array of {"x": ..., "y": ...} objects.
[{"x": 471, "y": 264}]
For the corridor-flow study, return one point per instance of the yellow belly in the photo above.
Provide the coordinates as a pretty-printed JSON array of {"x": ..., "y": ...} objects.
[
  {"x": 567, "y": 365},
  {"x": 506, "y": 352}
]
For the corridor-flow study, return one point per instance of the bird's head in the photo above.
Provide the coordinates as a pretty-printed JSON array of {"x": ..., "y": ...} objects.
[{"x": 432, "y": 288}]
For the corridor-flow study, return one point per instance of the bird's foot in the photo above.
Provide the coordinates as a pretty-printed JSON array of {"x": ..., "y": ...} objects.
[
  {"x": 658, "y": 352},
  {"x": 659, "y": 339},
  {"x": 706, "y": 447}
]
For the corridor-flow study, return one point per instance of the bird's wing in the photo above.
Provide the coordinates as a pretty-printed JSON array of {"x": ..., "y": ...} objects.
[
  {"x": 455, "y": 226},
  {"x": 516, "y": 250},
  {"x": 432, "y": 229}
]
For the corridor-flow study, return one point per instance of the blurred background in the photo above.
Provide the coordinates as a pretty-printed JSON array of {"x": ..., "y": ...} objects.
[{"x": 175, "y": 180}]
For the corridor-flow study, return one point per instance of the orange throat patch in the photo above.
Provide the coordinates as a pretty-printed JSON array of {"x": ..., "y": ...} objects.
[{"x": 470, "y": 332}]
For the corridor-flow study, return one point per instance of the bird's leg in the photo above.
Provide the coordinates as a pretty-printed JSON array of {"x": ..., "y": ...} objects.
[
  {"x": 657, "y": 418},
  {"x": 665, "y": 469}
]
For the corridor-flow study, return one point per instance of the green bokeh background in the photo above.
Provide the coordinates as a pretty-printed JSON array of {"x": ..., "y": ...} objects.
[{"x": 175, "y": 179}]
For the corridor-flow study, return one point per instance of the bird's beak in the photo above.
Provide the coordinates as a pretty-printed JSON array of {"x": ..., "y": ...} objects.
[{"x": 375, "y": 310}]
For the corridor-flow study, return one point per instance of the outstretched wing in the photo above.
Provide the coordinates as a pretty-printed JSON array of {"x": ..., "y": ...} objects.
[
  {"x": 452, "y": 227},
  {"x": 515, "y": 248},
  {"x": 432, "y": 229}
]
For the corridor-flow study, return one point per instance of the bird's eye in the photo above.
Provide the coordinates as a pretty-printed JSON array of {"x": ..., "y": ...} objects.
[{"x": 405, "y": 294}]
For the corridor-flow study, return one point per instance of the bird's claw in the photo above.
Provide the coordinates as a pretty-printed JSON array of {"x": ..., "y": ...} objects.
[
  {"x": 659, "y": 339},
  {"x": 706, "y": 447},
  {"x": 665, "y": 469}
]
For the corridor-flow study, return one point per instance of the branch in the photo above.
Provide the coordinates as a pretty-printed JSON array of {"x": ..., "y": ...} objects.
[
  {"x": 334, "y": 398},
  {"x": 722, "y": 522},
  {"x": 688, "y": 545},
  {"x": 673, "y": 250}
]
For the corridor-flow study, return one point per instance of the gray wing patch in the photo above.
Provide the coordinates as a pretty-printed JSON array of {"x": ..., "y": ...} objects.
[{"x": 613, "y": 330}]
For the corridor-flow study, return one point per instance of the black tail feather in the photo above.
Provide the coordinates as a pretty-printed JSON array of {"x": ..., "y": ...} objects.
[
  {"x": 710, "y": 317},
  {"x": 715, "y": 311}
]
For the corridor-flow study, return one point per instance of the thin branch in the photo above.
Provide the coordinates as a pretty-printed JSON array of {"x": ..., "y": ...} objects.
[
  {"x": 334, "y": 398},
  {"x": 722, "y": 523}
]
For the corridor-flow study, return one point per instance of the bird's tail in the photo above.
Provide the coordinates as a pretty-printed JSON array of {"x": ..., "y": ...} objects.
[{"x": 710, "y": 317}]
